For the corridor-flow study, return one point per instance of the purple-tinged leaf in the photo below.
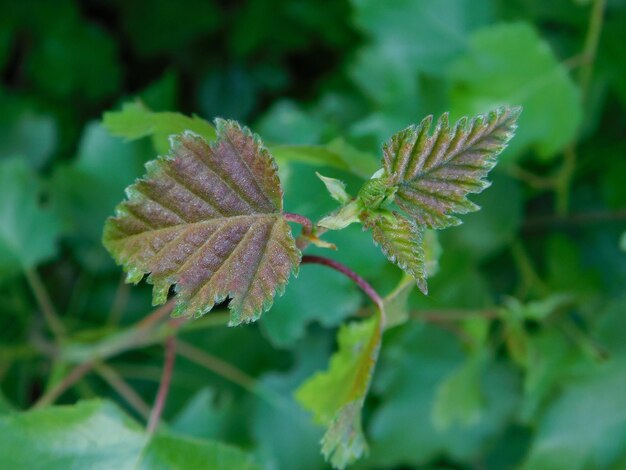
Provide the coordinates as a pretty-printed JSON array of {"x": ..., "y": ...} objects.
[
  {"x": 401, "y": 240},
  {"x": 207, "y": 219},
  {"x": 433, "y": 173}
]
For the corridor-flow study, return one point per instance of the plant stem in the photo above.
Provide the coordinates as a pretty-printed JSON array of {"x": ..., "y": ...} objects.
[
  {"x": 590, "y": 48},
  {"x": 120, "y": 300},
  {"x": 118, "y": 384},
  {"x": 307, "y": 225},
  {"x": 70, "y": 379},
  {"x": 217, "y": 365},
  {"x": 343, "y": 269},
  {"x": 45, "y": 304},
  {"x": 164, "y": 385}
]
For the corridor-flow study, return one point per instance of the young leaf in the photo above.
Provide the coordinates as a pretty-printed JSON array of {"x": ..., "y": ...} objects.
[
  {"x": 336, "y": 396},
  {"x": 208, "y": 219},
  {"x": 401, "y": 240},
  {"x": 433, "y": 174},
  {"x": 336, "y": 189}
]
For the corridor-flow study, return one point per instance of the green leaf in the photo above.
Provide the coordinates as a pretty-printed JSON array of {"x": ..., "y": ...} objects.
[
  {"x": 416, "y": 360},
  {"x": 135, "y": 121},
  {"x": 585, "y": 427},
  {"x": 510, "y": 63},
  {"x": 336, "y": 396},
  {"x": 401, "y": 240},
  {"x": 28, "y": 231},
  {"x": 336, "y": 188},
  {"x": 460, "y": 397},
  {"x": 208, "y": 219},
  {"x": 96, "y": 434},
  {"x": 432, "y": 174},
  {"x": 86, "y": 190},
  {"x": 316, "y": 295}
]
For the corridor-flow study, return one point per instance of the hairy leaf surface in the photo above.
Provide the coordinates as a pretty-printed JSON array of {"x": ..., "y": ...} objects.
[
  {"x": 401, "y": 240},
  {"x": 433, "y": 174},
  {"x": 336, "y": 396},
  {"x": 208, "y": 219}
]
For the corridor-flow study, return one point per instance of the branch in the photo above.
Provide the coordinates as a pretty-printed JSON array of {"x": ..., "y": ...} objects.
[
  {"x": 118, "y": 384},
  {"x": 70, "y": 379},
  {"x": 45, "y": 304},
  {"x": 164, "y": 386}
]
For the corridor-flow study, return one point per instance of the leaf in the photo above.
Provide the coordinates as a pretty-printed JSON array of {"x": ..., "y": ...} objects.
[
  {"x": 336, "y": 188},
  {"x": 336, "y": 396},
  {"x": 342, "y": 217},
  {"x": 511, "y": 63},
  {"x": 401, "y": 240},
  {"x": 28, "y": 231},
  {"x": 98, "y": 435},
  {"x": 135, "y": 121},
  {"x": 416, "y": 360},
  {"x": 585, "y": 426},
  {"x": 316, "y": 295},
  {"x": 208, "y": 219},
  {"x": 432, "y": 174},
  {"x": 87, "y": 189}
]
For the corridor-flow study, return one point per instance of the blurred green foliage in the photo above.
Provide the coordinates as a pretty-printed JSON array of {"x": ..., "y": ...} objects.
[{"x": 516, "y": 357}]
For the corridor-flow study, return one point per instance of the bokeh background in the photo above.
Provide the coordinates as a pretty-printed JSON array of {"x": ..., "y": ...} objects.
[{"x": 516, "y": 359}]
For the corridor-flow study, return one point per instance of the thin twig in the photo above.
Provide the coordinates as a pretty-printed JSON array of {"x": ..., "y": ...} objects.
[
  {"x": 575, "y": 219},
  {"x": 591, "y": 45},
  {"x": 156, "y": 316},
  {"x": 217, "y": 365},
  {"x": 164, "y": 385},
  {"x": 70, "y": 379},
  {"x": 437, "y": 316},
  {"x": 343, "y": 269},
  {"x": 45, "y": 304},
  {"x": 120, "y": 300},
  {"x": 118, "y": 384}
]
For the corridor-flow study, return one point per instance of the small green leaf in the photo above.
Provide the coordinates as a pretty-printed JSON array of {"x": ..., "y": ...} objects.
[
  {"x": 336, "y": 396},
  {"x": 622, "y": 242},
  {"x": 98, "y": 435},
  {"x": 336, "y": 189},
  {"x": 342, "y": 217},
  {"x": 401, "y": 240},
  {"x": 28, "y": 232},
  {"x": 135, "y": 121},
  {"x": 208, "y": 219},
  {"x": 432, "y": 174}
]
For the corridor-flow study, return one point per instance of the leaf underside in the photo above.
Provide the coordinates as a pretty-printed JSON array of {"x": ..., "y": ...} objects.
[
  {"x": 207, "y": 219},
  {"x": 433, "y": 173},
  {"x": 401, "y": 241}
]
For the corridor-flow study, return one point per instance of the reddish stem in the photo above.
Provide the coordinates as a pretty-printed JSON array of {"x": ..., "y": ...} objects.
[
  {"x": 346, "y": 271},
  {"x": 164, "y": 385},
  {"x": 307, "y": 225}
]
